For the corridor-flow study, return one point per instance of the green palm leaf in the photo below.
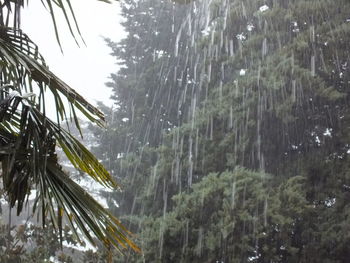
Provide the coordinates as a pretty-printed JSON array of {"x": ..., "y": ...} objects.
[
  {"x": 25, "y": 67},
  {"x": 29, "y": 159},
  {"x": 28, "y": 138}
]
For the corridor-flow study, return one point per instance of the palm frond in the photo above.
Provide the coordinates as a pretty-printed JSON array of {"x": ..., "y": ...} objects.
[
  {"x": 10, "y": 15},
  {"x": 69, "y": 15},
  {"x": 28, "y": 138},
  {"x": 28, "y": 156},
  {"x": 23, "y": 66}
]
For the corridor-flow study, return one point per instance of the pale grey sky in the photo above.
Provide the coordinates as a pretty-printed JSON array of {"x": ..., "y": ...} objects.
[{"x": 87, "y": 68}]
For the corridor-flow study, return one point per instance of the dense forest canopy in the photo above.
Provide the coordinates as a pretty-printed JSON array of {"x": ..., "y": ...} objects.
[{"x": 230, "y": 132}]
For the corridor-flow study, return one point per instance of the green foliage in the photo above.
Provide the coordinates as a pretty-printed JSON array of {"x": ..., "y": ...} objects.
[
  {"x": 28, "y": 138},
  {"x": 30, "y": 243},
  {"x": 213, "y": 215},
  {"x": 236, "y": 86}
]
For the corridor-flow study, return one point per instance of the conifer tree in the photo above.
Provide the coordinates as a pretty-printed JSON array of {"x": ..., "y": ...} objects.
[{"x": 261, "y": 85}]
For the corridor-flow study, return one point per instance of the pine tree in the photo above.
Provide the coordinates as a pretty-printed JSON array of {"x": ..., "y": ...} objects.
[{"x": 256, "y": 84}]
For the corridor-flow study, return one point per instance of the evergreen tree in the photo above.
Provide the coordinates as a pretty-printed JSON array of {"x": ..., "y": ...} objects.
[{"x": 261, "y": 85}]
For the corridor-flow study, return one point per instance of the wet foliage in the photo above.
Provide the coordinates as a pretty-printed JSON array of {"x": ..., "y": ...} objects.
[
  {"x": 29, "y": 139},
  {"x": 230, "y": 130}
]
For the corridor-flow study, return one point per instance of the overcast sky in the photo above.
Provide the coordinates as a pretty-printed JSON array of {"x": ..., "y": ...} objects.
[{"x": 84, "y": 68}]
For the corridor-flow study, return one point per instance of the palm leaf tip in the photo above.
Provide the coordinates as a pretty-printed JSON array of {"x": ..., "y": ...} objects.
[
  {"x": 28, "y": 139},
  {"x": 88, "y": 215},
  {"x": 29, "y": 159},
  {"x": 24, "y": 63}
]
